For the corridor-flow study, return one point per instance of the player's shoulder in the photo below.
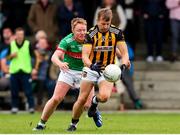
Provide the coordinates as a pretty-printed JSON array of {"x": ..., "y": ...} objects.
[
  {"x": 115, "y": 30},
  {"x": 69, "y": 38},
  {"x": 92, "y": 31}
]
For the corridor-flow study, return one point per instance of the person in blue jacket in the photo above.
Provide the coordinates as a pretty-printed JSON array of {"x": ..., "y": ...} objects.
[{"x": 127, "y": 80}]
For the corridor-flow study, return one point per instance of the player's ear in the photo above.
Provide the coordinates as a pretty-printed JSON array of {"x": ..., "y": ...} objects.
[{"x": 72, "y": 30}]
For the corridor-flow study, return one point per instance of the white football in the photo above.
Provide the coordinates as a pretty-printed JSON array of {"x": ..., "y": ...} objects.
[{"x": 112, "y": 73}]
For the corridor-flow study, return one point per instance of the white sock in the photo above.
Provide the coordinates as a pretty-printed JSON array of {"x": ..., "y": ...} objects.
[
  {"x": 74, "y": 124},
  {"x": 42, "y": 124},
  {"x": 94, "y": 100}
]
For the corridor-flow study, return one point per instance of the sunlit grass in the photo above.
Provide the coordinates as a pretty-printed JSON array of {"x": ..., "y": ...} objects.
[{"x": 129, "y": 123}]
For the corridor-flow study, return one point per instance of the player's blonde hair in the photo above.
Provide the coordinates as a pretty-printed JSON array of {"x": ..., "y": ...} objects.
[
  {"x": 105, "y": 14},
  {"x": 76, "y": 21}
]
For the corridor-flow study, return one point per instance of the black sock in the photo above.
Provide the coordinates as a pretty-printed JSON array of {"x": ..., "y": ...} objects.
[
  {"x": 74, "y": 121},
  {"x": 43, "y": 121}
]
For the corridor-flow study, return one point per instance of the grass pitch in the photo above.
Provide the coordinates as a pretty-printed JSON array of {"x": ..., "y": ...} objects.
[{"x": 113, "y": 123}]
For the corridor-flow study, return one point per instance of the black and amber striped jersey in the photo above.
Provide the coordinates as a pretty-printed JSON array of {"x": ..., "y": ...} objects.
[{"x": 103, "y": 44}]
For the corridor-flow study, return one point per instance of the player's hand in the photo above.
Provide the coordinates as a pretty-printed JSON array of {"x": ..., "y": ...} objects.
[
  {"x": 129, "y": 64},
  {"x": 123, "y": 68},
  {"x": 34, "y": 74},
  {"x": 98, "y": 67},
  {"x": 13, "y": 55},
  {"x": 64, "y": 66}
]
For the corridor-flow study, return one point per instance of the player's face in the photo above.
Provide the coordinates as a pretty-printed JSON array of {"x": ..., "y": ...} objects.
[
  {"x": 80, "y": 32},
  {"x": 103, "y": 25},
  {"x": 7, "y": 33},
  {"x": 42, "y": 43},
  {"x": 44, "y": 2},
  {"x": 109, "y": 2},
  {"x": 20, "y": 36}
]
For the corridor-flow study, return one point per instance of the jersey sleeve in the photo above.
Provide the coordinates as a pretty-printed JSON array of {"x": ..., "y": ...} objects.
[
  {"x": 88, "y": 40},
  {"x": 63, "y": 45},
  {"x": 3, "y": 54},
  {"x": 120, "y": 36}
]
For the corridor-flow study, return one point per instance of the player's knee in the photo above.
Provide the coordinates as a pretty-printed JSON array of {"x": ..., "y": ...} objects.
[
  {"x": 103, "y": 98},
  {"x": 87, "y": 104},
  {"x": 56, "y": 100},
  {"x": 81, "y": 101},
  {"x": 86, "y": 107}
]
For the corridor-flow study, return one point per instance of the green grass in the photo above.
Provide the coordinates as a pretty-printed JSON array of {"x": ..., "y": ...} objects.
[{"x": 129, "y": 123}]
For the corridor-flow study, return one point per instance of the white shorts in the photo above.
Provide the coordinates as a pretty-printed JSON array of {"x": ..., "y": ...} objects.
[
  {"x": 71, "y": 77},
  {"x": 92, "y": 76}
]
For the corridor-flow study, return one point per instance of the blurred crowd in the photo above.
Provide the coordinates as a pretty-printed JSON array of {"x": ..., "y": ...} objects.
[{"x": 43, "y": 23}]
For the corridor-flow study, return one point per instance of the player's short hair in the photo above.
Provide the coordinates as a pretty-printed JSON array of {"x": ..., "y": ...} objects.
[
  {"x": 76, "y": 21},
  {"x": 19, "y": 29},
  {"x": 105, "y": 14}
]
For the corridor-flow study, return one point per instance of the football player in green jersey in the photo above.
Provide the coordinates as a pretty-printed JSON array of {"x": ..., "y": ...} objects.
[{"x": 68, "y": 58}]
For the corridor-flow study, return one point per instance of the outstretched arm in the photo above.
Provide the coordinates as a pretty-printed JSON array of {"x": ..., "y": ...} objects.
[
  {"x": 123, "y": 51},
  {"x": 56, "y": 59},
  {"x": 86, "y": 50}
]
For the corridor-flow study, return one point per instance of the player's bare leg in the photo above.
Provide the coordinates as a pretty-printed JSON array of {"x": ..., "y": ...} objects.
[
  {"x": 89, "y": 100},
  {"x": 59, "y": 93},
  {"x": 78, "y": 107},
  {"x": 105, "y": 89}
]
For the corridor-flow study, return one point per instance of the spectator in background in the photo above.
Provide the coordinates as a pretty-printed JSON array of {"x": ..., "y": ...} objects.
[
  {"x": 174, "y": 8},
  {"x": 2, "y": 17},
  {"x": 4, "y": 63},
  {"x": 7, "y": 37},
  {"x": 154, "y": 12},
  {"x": 119, "y": 17},
  {"x": 131, "y": 29},
  {"x": 127, "y": 80},
  {"x": 15, "y": 12},
  {"x": 53, "y": 70},
  {"x": 40, "y": 34},
  {"x": 40, "y": 74},
  {"x": 19, "y": 54},
  {"x": 89, "y": 7},
  {"x": 65, "y": 13},
  {"x": 42, "y": 16}
]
